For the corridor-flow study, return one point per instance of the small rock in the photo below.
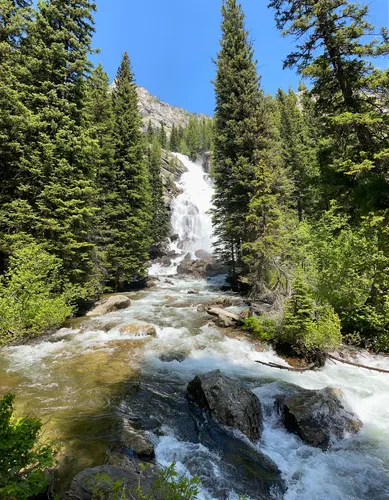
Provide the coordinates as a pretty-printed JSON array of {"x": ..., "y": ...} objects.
[
  {"x": 138, "y": 442},
  {"x": 173, "y": 356},
  {"x": 229, "y": 403},
  {"x": 193, "y": 292},
  {"x": 139, "y": 330},
  {"x": 317, "y": 416},
  {"x": 169, "y": 282},
  {"x": 113, "y": 303}
]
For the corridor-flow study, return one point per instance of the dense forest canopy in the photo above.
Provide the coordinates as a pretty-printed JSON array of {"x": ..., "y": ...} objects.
[{"x": 301, "y": 179}]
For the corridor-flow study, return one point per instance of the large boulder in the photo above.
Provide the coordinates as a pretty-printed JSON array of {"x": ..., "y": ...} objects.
[
  {"x": 113, "y": 303},
  {"x": 200, "y": 268},
  {"x": 318, "y": 416},
  {"x": 98, "y": 482},
  {"x": 229, "y": 403}
]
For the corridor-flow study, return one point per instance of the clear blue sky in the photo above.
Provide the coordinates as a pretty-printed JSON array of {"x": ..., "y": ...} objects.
[{"x": 171, "y": 44}]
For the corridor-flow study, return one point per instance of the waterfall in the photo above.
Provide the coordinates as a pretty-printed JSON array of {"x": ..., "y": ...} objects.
[{"x": 191, "y": 221}]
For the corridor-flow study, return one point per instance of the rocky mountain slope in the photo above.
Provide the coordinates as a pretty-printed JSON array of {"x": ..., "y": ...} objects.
[{"x": 152, "y": 108}]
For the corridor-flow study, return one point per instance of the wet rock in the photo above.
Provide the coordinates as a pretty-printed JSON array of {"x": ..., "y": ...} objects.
[
  {"x": 229, "y": 403},
  {"x": 97, "y": 482},
  {"x": 318, "y": 416},
  {"x": 199, "y": 268},
  {"x": 193, "y": 292},
  {"x": 224, "y": 318},
  {"x": 169, "y": 282},
  {"x": 224, "y": 321},
  {"x": 166, "y": 262},
  {"x": 138, "y": 442},
  {"x": 173, "y": 356},
  {"x": 151, "y": 283},
  {"x": 203, "y": 254},
  {"x": 139, "y": 330},
  {"x": 113, "y": 303}
]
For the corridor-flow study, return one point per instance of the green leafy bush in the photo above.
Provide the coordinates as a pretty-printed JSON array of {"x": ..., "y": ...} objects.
[
  {"x": 30, "y": 298},
  {"x": 169, "y": 484},
  {"x": 263, "y": 327},
  {"x": 307, "y": 326},
  {"x": 22, "y": 460}
]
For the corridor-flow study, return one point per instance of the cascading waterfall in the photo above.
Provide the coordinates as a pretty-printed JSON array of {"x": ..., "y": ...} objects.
[{"x": 191, "y": 221}]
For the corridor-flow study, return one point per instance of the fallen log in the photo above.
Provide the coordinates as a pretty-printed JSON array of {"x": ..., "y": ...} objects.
[
  {"x": 335, "y": 358},
  {"x": 289, "y": 368}
]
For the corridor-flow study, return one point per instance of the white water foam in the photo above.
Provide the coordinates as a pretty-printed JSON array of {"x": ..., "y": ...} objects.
[{"x": 191, "y": 220}]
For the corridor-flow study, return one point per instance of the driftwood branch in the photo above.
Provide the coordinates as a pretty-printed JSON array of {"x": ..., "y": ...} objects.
[
  {"x": 335, "y": 358},
  {"x": 289, "y": 368}
]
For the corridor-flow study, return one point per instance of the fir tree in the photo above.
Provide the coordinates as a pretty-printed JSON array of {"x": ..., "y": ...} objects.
[
  {"x": 14, "y": 118},
  {"x": 128, "y": 209},
  {"x": 55, "y": 197},
  {"x": 150, "y": 132},
  {"x": 174, "y": 140},
  {"x": 349, "y": 93},
  {"x": 299, "y": 152},
  {"x": 237, "y": 131},
  {"x": 249, "y": 182},
  {"x": 159, "y": 214},
  {"x": 163, "y": 137}
]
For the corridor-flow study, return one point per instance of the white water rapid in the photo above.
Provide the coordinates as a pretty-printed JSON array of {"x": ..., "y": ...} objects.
[
  {"x": 191, "y": 222},
  {"x": 85, "y": 380}
]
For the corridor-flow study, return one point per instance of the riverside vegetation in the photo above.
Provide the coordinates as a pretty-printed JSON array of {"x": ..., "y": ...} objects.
[{"x": 301, "y": 183}]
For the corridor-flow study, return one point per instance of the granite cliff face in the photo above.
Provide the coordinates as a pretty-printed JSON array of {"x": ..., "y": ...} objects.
[{"x": 152, "y": 108}]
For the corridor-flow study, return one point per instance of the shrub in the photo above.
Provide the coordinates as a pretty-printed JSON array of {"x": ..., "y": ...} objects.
[
  {"x": 263, "y": 327},
  {"x": 169, "y": 484},
  {"x": 307, "y": 326},
  {"x": 22, "y": 460},
  {"x": 30, "y": 298}
]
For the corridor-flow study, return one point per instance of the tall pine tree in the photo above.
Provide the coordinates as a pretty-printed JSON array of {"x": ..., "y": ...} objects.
[
  {"x": 128, "y": 209},
  {"x": 55, "y": 197}
]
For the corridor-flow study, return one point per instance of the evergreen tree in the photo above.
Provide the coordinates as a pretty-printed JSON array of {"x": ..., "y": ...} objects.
[
  {"x": 249, "y": 182},
  {"x": 14, "y": 18},
  {"x": 128, "y": 207},
  {"x": 55, "y": 196},
  {"x": 159, "y": 214},
  {"x": 150, "y": 133},
  {"x": 192, "y": 138},
  {"x": 163, "y": 137},
  {"x": 349, "y": 93},
  {"x": 237, "y": 132},
  {"x": 299, "y": 152},
  {"x": 99, "y": 116},
  {"x": 174, "y": 144}
]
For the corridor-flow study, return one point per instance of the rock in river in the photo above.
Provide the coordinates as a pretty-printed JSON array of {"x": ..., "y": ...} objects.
[
  {"x": 113, "y": 303},
  {"x": 97, "y": 482},
  {"x": 317, "y": 416},
  {"x": 228, "y": 402}
]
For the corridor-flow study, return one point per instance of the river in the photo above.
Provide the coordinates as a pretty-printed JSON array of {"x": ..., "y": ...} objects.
[{"x": 87, "y": 378}]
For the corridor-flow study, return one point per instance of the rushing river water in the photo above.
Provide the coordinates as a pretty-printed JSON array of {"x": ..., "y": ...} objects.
[{"x": 86, "y": 378}]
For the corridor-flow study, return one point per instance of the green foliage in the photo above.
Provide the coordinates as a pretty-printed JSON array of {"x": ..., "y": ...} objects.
[
  {"x": 160, "y": 223},
  {"x": 264, "y": 327},
  {"x": 169, "y": 484},
  {"x": 307, "y": 326},
  {"x": 30, "y": 300},
  {"x": 23, "y": 461}
]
